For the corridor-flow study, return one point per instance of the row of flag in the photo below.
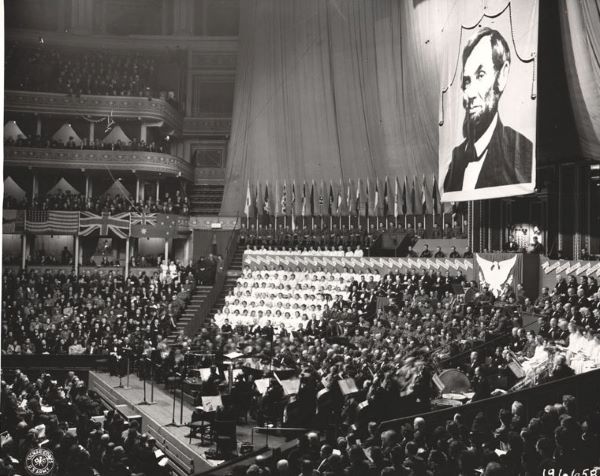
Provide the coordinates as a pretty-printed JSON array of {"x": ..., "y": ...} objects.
[
  {"x": 319, "y": 200},
  {"x": 122, "y": 225}
]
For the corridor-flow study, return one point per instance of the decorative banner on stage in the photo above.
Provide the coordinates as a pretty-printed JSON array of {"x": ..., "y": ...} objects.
[
  {"x": 551, "y": 269},
  {"x": 118, "y": 224},
  {"x": 488, "y": 101},
  {"x": 158, "y": 225},
  {"x": 496, "y": 273},
  {"x": 51, "y": 222},
  {"x": 327, "y": 263}
]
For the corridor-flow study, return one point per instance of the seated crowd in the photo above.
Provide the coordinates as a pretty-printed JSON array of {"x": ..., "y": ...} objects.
[
  {"x": 557, "y": 439},
  {"x": 95, "y": 313},
  {"x": 70, "y": 421},
  {"x": 85, "y": 144},
  {"x": 78, "y": 71},
  {"x": 177, "y": 203}
]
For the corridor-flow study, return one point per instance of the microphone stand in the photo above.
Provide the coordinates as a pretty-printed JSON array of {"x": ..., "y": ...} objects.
[
  {"x": 173, "y": 423},
  {"x": 144, "y": 369}
]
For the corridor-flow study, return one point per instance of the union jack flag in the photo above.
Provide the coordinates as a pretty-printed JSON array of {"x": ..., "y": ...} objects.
[
  {"x": 119, "y": 224},
  {"x": 144, "y": 219}
]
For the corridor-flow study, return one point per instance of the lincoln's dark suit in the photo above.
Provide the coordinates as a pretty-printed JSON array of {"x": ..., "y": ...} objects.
[{"x": 508, "y": 161}]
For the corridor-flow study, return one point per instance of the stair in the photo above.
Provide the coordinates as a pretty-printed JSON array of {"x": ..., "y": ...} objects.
[
  {"x": 236, "y": 259},
  {"x": 191, "y": 310},
  {"x": 206, "y": 198}
]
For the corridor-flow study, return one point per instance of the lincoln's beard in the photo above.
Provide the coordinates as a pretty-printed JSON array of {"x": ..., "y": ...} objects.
[{"x": 474, "y": 125}]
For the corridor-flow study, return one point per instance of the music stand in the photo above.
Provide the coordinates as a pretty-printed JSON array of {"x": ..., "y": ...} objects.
[
  {"x": 212, "y": 403},
  {"x": 347, "y": 386}
]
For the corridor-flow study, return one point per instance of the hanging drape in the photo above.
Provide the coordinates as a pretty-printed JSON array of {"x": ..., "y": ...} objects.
[
  {"x": 580, "y": 23},
  {"x": 329, "y": 89}
]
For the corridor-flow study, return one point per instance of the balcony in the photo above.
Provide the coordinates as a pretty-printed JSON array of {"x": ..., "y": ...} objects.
[
  {"x": 119, "y": 106},
  {"x": 140, "y": 161}
]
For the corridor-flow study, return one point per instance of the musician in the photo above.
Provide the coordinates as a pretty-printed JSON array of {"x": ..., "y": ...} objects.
[
  {"x": 540, "y": 357},
  {"x": 561, "y": 369},
  {"x": 481, "y": 386},
  {"x": 270, "y": 407}
]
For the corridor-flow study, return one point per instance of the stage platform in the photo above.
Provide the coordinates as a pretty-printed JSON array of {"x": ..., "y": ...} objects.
[{"x": 188, "y": 458}]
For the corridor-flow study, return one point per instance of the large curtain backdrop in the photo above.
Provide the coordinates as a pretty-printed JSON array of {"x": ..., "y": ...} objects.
[
  {"x": 335, "y": 89},
  {"x": 580, "y": 23}
]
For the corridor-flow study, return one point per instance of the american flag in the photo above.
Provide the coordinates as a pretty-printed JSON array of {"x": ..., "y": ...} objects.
[
  {"x": 119, "y": 224},
  {"x": 52, "y": 222}
]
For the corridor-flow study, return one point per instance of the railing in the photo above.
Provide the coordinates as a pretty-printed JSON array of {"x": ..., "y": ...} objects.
[
  {"x": 55, "y": 361},
  {"x": 91, "y": 159},
  {"x": 534, "y": 399},
  {"x": 120, "y": 106},
  {"x": 211, "y": 298}
]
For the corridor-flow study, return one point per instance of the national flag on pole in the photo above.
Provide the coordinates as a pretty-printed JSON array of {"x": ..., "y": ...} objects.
[
  {"x": 340, "y": 199},
  {"x": 267, "y": 204},
  {"x": 293, "y": 200},
  {"x": 119, "y": 224},
  {"x": 331, "y": 199},
  {"x": 386, "y": 199},
  {"x": 255, "y": 202},
  {"x": 435, "y": 196},
  {"x": 312, "y": 199},
  {"x": 405, "y": 197},
  {"x": 277, "y": 202},
  {"x": 413, "y": 197},
  {"x": 321, "y": 198},
  {"x": 424, "y": 196},
  {"x": 377, "y": 201},
  {"x": 348, "y": 199},
  {"x": 54, "y": 222},
  {"x": 284, "y": 200},
  {"x": 304, "y": 199},
  {"x": 396, "y": 197},
  {"x": 248, "y": 201},
  {"x": 358, "y": 198},
  {"x": 367, "y": 199}
]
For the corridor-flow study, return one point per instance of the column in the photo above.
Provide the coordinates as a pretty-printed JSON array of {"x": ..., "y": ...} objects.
[
  {"x": 127, "y": 240},
  {"x": 23, "y": 250},
  {"x": 183, "y": 11},
  {"x": 144, "y": 133},
  {"x": 137, "y": 189},
  {"x": 76, "y": 255},
  {"x": 559, "y": 203},
  {"x": 577, "y": 225},
  {"x": 81, "y": 16},
  {"x": 38, "y": 126},
  {"x": 186, "y": 251},
  {"x": 34, "y": 186},
  {"x": 157, "y": 190},
  {"x": 167, "y": 250},
  {"x": 92, "y": 127},
  {"x": 87, "y": 187}
]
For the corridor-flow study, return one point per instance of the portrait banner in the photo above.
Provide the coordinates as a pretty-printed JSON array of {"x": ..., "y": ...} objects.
[{"x": 487, "y": 116}]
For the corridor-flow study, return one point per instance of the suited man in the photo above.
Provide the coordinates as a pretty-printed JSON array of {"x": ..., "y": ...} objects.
[{"x": 492, "y": 154}]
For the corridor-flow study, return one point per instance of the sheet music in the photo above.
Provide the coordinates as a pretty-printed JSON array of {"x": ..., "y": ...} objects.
[{"x": 262, "y": 384}]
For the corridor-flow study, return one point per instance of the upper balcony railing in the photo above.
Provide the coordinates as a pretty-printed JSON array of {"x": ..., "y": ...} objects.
[
  {"x": 119, "y": 106},
  {"x": 89, "y": 159}
]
